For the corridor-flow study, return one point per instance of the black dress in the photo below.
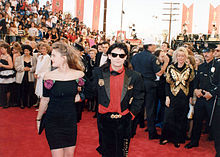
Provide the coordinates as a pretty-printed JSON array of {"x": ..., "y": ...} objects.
[
  {"x": 27, "y": 89},
  {"x": 60, "y": 119},
  {"x": 179, "y": 89}
]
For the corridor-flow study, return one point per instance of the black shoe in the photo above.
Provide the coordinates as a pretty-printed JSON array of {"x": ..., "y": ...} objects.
[
  {"x": 22, "y": 107},
  {"x": 95, "y": 116},
  {"x": 191, "y": 145},
  {"x": 4, "y": 107},
  {"x": 154, "y": 137},
  {"x": 146, "y": 130},
  {"x": 177, "y": 145}
]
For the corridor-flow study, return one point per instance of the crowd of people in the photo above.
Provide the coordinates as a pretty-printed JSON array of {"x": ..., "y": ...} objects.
[{"x": 47, "y": 58}]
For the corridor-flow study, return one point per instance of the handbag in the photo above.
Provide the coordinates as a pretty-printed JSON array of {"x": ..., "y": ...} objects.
[{"x": 42, "y": 124}]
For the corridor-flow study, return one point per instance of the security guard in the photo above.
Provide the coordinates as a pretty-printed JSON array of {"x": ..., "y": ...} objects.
[
  {"x": 146, "y": 64},
  {"x": 216, "y": 112},
  {"x": 206, "y": 89}
]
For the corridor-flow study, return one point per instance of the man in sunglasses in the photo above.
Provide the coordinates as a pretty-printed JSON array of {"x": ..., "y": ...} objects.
[
  {"x": 146, "y": 64},
  {"x": 120, "y": 94},
  {"x": 206, "y": 89}
]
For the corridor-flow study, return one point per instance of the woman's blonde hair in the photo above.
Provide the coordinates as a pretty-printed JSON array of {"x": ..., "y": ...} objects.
[
  {"x": 73, "y": 59},
  {"x": 17, "y": 46},
  {"x": 45, "y": 45},
  {"x": 180, "y": 49}
]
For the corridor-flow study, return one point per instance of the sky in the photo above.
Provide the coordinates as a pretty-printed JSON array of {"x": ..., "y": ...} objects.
[{"x": 145, "y": 14}]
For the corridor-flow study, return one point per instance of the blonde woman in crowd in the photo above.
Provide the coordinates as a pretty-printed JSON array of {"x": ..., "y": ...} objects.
[
  {"x": 43, "y": 66},
  {"x": 179, "y": 92}
]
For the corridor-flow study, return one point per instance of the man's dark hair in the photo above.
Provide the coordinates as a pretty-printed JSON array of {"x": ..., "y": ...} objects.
[
  {"x": 168, "y": 46},
  {"x": 105, "y": 42},
  {"x": 157, "y": 53},
  {"x": 121, "y": 46},
  {"x": 146, "y": 46}
]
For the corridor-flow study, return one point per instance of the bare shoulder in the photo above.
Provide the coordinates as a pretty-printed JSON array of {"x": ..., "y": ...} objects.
[
  {"x": 50, "y": 75},
  {"x": 78, "y": 74}
]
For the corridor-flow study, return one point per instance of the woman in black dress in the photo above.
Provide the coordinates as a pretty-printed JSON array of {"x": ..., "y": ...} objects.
[
  {"x": 179, "y": 93},
  {"x": 25, "y": 66},
  {"x": 60, "y": 90},
  {"x": 7, "y": 75}
]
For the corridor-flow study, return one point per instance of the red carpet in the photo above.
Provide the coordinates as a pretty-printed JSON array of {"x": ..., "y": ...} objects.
[{"x": 19, "y": 138}]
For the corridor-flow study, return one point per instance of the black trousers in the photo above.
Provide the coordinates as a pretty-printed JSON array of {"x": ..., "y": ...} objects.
[
  {"x": 202, "y": 108},
  {"x": 115, "y": 134},
  {"x": 149, "y": 101},
  {"x": 160, "y": 97},
  {"x": 216, "y": 128}
]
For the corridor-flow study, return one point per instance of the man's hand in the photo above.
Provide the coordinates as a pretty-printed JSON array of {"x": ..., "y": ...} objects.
[
  {"x": 167, "y": 101},
  {"x": 190, "y": 100},
  {"x": 198, "y": 92},
  {"x": 207, "y": 95}
]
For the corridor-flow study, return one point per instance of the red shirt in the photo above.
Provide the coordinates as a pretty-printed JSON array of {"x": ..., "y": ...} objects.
[{"x": 116, "y": 85}]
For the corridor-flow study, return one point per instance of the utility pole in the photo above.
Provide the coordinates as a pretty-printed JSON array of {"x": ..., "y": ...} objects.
[
  {"x": 122, "y": 12},
  {"x": 105, "y": 14},
  {"x": 172, "y": 7}
]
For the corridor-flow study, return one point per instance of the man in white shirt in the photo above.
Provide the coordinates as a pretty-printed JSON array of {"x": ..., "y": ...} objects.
[{"x": 101, "y": 57}]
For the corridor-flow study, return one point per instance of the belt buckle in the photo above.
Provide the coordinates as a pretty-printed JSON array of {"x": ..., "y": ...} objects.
[{"x": 115, "y": 116}]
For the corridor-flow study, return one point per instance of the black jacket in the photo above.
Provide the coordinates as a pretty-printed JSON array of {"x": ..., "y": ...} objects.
[
  {"x": 98, "y": 58},
  {"x": 132, "y": 93}
]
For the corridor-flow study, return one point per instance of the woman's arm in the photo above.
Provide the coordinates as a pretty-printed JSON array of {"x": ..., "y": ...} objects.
[
  {"x": 18, "y": 66},
  {"x": 43, "y": 107}
]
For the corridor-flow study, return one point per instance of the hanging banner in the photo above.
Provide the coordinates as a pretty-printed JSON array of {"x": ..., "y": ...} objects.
[
  {"x": 214, "y": 19},
  {"x": 80, "y": 9},
  {"x": 57, "y": 5},
  {"x": 187, "y": 18},
  {"x": 96, "y": 14}
]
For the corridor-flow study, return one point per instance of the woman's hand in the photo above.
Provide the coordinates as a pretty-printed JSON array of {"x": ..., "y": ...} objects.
[
  {"x": 77, "y": 98},
  {"x": 167, "y": 101},
  {"x": 38, "y": 125},
  {"x": 35, "y": 76}
]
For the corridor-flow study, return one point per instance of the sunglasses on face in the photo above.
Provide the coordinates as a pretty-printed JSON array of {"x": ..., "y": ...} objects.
[{"x": 114, "y": 55}]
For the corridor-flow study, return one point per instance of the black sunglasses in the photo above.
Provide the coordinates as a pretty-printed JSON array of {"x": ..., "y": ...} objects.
[{"x": 114, "y": 55}]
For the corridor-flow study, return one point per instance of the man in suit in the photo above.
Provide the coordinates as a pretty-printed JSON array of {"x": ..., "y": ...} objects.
[
  {"x": 101, "y": 57},
  {"x": 120, "y": 97},
  {"x": 146, "y": 64},
  {"x": 206, "y": 84}
]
